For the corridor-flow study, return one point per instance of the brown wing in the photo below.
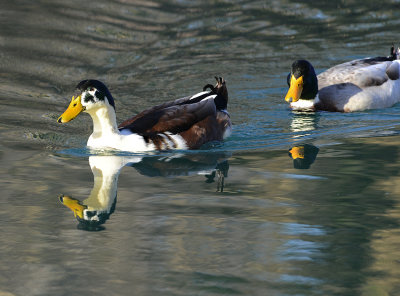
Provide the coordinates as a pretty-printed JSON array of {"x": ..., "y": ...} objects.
[
  {"x": 153, "y": 110},
  {"x": 182, "y": 101},
  {"x": 149, "y": 118},
  {"x": 175, "y": 116}
]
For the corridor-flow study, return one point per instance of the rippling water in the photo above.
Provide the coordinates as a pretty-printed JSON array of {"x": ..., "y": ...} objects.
[{"x": 242, "y": 217}]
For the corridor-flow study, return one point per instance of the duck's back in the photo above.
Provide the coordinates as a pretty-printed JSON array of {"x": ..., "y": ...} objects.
[
  {"x": 198, "y": 119},
  {"x": 359, "y": 85},
  {"x": 173, "y": 116}
]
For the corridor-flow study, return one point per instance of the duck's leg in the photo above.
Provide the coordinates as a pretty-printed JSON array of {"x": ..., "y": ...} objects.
[{"x": 220, "y": 182}]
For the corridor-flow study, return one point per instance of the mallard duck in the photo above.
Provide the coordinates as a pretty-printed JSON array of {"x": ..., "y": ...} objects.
[
  {"x": 185, "y": 123},
  {"x": 358, "y": 85}
]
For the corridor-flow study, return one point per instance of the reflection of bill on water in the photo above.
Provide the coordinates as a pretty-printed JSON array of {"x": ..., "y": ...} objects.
[{"x": 303, "y": 155}]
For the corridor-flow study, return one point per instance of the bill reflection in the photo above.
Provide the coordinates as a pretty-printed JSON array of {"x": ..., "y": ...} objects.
[{"x": 303, "y": 155}]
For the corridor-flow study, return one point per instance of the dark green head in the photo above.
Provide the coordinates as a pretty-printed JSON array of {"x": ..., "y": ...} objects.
[{"x": 302, "y": 81}]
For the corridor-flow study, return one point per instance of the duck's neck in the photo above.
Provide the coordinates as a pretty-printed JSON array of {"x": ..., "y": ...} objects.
[{"x": 104, "y": 121}]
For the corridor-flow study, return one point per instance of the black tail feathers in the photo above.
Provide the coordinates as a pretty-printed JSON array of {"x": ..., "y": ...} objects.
[{"x": 220, "y": 89}]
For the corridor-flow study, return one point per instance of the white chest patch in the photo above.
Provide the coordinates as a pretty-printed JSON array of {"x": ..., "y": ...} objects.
[{"x": 304, "y": 105}]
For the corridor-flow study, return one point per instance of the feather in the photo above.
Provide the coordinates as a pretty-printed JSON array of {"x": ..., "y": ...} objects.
[{"x": 174, "y": 118}]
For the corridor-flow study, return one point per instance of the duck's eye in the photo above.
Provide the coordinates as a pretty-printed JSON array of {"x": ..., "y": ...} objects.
[{"x": 74, "y": 105}]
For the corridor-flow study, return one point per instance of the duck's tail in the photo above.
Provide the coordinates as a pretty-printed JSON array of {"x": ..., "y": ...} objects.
[{"x": 220, "y": 89}]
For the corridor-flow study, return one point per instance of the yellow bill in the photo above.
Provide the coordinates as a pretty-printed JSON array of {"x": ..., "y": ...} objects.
[
  {"x": 295, "y": 89},
  {"x": 73, "y": 205},
  {"x": 73, "y": 110},
  {"x": 297, "y": 152}
]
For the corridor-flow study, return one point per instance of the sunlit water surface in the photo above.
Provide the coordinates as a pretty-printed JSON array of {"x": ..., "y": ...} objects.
[{"x": 290, "y": 204}]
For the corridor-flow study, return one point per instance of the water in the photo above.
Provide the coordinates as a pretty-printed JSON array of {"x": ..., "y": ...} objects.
[{"x": 238, "y": 218}]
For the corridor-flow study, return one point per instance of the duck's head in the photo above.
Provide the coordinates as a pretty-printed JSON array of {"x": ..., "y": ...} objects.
[
  {"x": 88, "y": 218},
  {"x": 302, "y": 81},
  {"x": 89, "y": 95}
]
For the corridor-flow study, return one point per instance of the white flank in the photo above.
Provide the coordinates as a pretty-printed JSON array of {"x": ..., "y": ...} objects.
[
  {"x": 374, "y": 97},
  {"x": 360, "y": 95},
  {"x": 106, "y": 135},
  {"x": 132, "y": 142}
]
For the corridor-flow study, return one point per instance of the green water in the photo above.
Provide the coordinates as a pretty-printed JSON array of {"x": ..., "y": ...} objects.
[{"x": 238, "y": 218}]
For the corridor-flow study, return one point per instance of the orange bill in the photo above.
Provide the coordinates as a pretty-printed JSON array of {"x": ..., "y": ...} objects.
[
  {"x": 295, "y": 89},
  {"x": 297, "y": 152},
  {"x": 73, "y": 110}
]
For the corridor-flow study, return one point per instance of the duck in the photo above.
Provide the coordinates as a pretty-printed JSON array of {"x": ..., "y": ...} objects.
[
  {"x": 184, "y": 124},
  {"x": 358, "y": 85}
]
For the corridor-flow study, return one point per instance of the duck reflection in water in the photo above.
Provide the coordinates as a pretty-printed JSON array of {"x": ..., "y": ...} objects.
[
  {"x": 210, "y": 165},
  {"x": 97, "y": 208},
  {"x": 303, "y": 123},
  {"x": 303, "y": 155}
]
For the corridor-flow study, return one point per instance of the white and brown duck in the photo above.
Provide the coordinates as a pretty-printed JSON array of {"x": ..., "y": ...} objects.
[{"x": 185, "y": 123}]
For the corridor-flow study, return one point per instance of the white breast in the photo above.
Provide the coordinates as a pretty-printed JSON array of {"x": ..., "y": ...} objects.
[{"x": 304, "y": 105}]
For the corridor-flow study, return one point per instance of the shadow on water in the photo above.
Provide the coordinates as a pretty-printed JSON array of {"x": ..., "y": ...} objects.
[{"x": 95, "y": 210}]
